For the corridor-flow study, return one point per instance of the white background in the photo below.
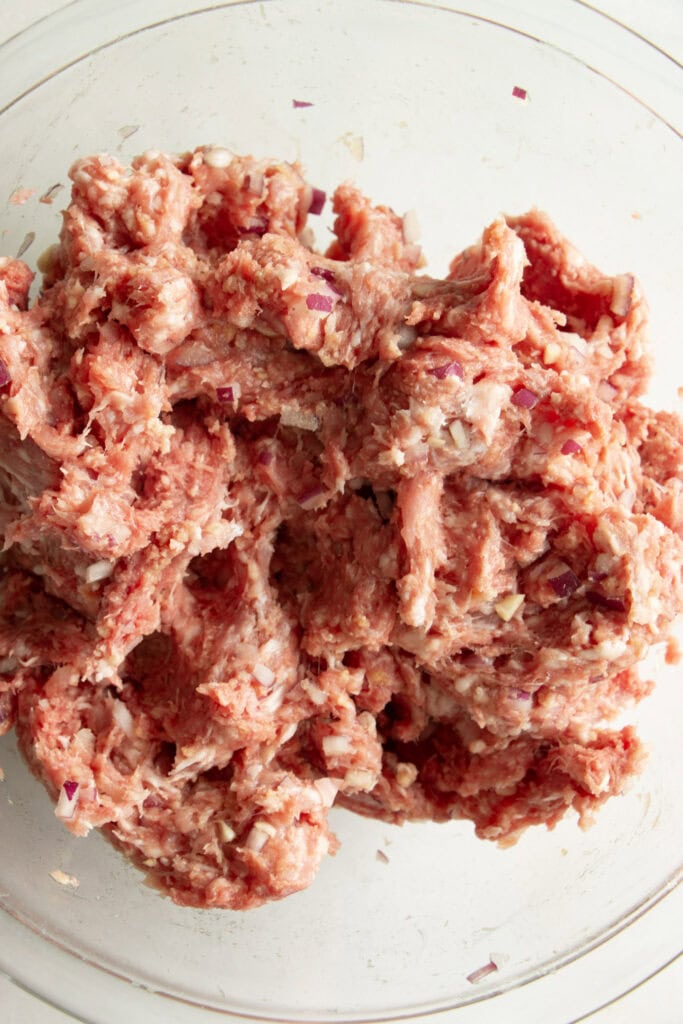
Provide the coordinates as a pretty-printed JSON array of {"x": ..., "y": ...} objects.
[{"x": 660, "y": 1000}]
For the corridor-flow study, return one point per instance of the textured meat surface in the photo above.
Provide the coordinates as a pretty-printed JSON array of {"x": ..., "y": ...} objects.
[{"x": 284, "y": 528}]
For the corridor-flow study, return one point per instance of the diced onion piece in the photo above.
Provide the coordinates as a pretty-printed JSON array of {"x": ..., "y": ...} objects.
[
  {"x": 98, "y": 571},
  {"x": 328, "y": 791},
  {"x": 258, "y": 227},
  {"x": 608, "y": 604},
  {"x": 217, "y": 157},
  {"x": 123, "y": 717},
  {"x": 406, "y": 773},
  {"x": 254, "y": 183},
  {"x": 565, "y": 584},
  {"x": 263, "y": 675},
  {"x": 482, "y": 972},
  {"x": 324, "y": 273},
  {"x": 320, "y": 303},
  {"x": 360, "y": 778},
  {"x": 226, "y": 833},
  {"x": 524, "y": 398},
  {"x": 571, "y": 447},
  {"x": 292, "y": 417},
  {"x": 507, "y": 607},
  {"x": 451, "y": 369},
  {"x": 622, "y": 295},
  {"x": 5, "y": 375},
  {"x": 318, "y": 198},
  {"x": 297, "y": 104},
  {"x": 310, "y": 498},
  {"x": 518, "y": 92},
  {"x": 551, "y": 353},
  {"x": 68, "y": 801},
  {"x": 459, "y": 434},
  {"x": 606, "y": 391},
  {"x": 228, "y": 393},
  {"x": 265, "y": 457},
  {"x": 335, "y": 746},
  {"x": 259, "y": 834},
  {"x": 411, "y": 227},
  {"x": 522, "y": 695},
  {"x": 63, "y": 879}
]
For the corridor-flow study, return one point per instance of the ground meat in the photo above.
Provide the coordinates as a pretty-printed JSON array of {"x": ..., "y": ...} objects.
[{"x": 284, "y": 528}]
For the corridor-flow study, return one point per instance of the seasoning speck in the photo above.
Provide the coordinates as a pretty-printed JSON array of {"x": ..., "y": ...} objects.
[{"x": 63, "y": 879}]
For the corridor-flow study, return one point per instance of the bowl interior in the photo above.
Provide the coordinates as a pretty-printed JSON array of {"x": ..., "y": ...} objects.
[{"x": 415, "y": 103}]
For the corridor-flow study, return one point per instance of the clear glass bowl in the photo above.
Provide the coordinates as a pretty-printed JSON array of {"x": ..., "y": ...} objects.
[{"x": 414, "y": 101}]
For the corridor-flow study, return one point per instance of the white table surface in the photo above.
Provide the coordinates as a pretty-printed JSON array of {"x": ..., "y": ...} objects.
[{"x": 658, "y": 1001}]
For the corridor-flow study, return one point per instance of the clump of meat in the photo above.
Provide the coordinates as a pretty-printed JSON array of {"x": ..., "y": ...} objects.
[{"x": 283, "y": 528}]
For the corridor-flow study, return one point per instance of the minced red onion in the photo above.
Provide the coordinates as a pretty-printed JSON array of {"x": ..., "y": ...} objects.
[
  {"x": 482, "y": 972},
  {"x": 5, "y": 375},
  {"x": 321, "y": 303},
  {"x": 309, "y": 497},
  {"x": 597, "y": 577},
  {"x": 608, "y": 604},
  {"x": 518, "y": 92},
  {"x": 606, "y": 391},
  {"x": 410, "y": 226},
  {"x": 524, "y": 398},
  {"x": 326, "y": 275},
  {"x": 228, "y": 392},
  {"x": 327, "y": 789},
  {"x": 522, "y": 695},
  {"x": 622, "y": 295},
  {"x": 571, "y": 447},
  {"x": 265, "y": 457},
  {"x": 67, "y": 801},
  {"x": 263, "y": 675},
  {"x": 258, "y": 228},
  {"x": 254, "y": 183},
  {"x": 565, "y": 584},
  {"x": 297, "y": 104},
  {"x": 451, "y": 369},
  {"x": 318, "y": 198}
]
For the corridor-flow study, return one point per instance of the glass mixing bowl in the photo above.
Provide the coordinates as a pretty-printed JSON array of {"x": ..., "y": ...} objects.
[{"x": 413, "y": 101}]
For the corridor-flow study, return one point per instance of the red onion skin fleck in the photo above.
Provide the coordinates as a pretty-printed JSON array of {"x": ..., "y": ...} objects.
[
  {"x": 259, "y": 229},
  {"x": 571, "y": 447},
  {"x": 5, "y": 375},
  {"x": 225, "y": 394},
  {"x": 524, "y": 398},
  {"x": 70, "y": 788},
  {"x": 324, "y": 273},
  {"x": 482, "y": 972},
  {"x": 299, "y": 104},
  {"x": 452, "y": 369},
  {"x": 608, "y": 604},
  {"x": 317, "y": 201},
  {"x": 321, "y": 303},
  {"x": 565, "y": 584}
]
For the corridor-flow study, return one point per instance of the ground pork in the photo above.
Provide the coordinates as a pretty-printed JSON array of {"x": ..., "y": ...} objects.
[{"x": 285, "y": 528}]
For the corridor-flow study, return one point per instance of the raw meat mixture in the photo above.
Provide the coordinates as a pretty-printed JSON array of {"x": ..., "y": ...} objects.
[{"x": 285, "y": 529}]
